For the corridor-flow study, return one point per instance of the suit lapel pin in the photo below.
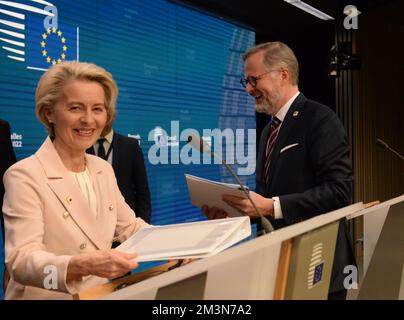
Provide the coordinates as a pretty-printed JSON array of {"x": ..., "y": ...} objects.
[{"x": 296, "y": 113}]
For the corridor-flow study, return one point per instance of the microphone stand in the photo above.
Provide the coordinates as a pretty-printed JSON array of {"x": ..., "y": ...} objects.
[
  {"x": 384, "y": 145},
  {"x": 396, "y": 153}
]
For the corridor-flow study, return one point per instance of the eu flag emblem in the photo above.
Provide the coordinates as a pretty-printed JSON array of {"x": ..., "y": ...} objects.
[
  {"x": 47, "y": 47},
  {"x": 318, "y": 273}
]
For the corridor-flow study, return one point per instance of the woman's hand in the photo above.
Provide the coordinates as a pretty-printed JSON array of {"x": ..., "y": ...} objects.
[{"x": 103, "y": 263}]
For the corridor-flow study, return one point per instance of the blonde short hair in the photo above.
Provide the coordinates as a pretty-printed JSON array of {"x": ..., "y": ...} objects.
[
  {"x": 277, "y": 54},
  {"x": 52, "y": 82}
]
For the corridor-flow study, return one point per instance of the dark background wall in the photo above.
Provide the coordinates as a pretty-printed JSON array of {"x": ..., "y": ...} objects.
[
  {"x": 379, "y": 112},
  {"x": 310, "y": 37}
]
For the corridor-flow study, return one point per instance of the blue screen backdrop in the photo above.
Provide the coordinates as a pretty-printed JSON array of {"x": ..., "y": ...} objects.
[{"x": 172, "y": 64}]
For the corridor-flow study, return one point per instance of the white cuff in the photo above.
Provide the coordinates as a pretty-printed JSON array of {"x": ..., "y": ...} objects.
[{"x": 277, "y": 208}]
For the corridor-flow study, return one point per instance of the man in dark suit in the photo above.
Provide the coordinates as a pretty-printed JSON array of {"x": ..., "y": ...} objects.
[
  {"x": 7, "y": 158},
  {"x": 126, "y": 157},
  {"x": 303, "y": 164}
]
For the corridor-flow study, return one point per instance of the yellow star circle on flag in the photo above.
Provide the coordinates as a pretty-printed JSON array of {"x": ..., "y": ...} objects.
[{"x": 48, "y": 58}]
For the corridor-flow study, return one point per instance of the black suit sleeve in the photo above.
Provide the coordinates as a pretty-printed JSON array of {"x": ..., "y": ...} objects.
[
  {"x": 7, "y": 152},
  {"x": 143, "y": 203},
  {"x": 328, "y": 153},
  {"x": 7, "y": 158}
]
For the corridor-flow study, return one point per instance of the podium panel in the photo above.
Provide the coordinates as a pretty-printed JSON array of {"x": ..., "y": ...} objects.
[
  {"x": 188, "y": 289},
  {"x": 383, "y": 278},
  {"x": 311, "y": 264}
]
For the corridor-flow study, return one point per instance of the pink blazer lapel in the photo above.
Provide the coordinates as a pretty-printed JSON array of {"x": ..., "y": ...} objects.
[{"x": 67, "y": 192}]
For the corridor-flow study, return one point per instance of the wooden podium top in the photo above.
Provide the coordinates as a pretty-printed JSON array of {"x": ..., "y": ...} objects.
[{"x": 371, "y": 204}]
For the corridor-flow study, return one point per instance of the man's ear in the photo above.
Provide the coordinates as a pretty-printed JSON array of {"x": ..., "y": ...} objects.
[{"x": 285, "y": 74}]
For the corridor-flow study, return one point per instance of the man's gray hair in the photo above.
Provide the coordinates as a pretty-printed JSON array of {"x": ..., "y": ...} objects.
[{"x": 277, "y": 55}]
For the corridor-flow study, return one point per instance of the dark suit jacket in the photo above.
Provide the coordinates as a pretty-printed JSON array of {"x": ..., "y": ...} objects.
[
  {"x": 7, "y": 158},
  {"x": 312, "y": 177},
  {"x": 130, "y": 172}
]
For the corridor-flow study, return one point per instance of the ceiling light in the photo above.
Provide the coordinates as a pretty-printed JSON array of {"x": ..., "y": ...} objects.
[
  {"x": 351, "y": 11},
  {"x": 308, "y": 8}
]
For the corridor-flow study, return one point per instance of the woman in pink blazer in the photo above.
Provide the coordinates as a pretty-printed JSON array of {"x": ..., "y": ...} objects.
[{"x": 62, "y": 207}]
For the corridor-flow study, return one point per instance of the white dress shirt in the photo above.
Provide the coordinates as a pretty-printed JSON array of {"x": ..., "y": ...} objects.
[{"x": 85, "y": 183}]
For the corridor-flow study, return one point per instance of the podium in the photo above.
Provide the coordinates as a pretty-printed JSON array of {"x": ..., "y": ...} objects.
[
  {"x": 257, "y": 269},
  {"x": 383, "y": 263},
  {"x": 290, "y": 263}
]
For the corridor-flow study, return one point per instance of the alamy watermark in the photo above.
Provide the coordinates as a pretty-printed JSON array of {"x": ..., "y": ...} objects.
[
  {"x": 50, "y": 281},
  {"x": 351, "y": 280},
  {"x": 166, "y": 148},
  {"x": 351, "y": 20},
  {"x": 51, "y": 21}
]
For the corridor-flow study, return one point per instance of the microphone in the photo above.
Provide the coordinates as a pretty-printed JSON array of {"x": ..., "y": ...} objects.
[
  {"x": 203, "y": 147},
  {"x": 384, "y": 145}
]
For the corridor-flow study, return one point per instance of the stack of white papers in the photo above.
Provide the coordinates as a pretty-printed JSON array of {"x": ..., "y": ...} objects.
[
  {"x": 187, "y": 240},
  {"x": 210, "y": 193}
]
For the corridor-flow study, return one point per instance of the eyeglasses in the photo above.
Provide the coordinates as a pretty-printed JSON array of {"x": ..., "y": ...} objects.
[{"x": 253, "y": 80}]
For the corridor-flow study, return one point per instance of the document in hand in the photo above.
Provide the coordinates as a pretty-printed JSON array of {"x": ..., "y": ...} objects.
[
  {"x": 187, "y": 240},
  {"x": 203, "y": 191}
]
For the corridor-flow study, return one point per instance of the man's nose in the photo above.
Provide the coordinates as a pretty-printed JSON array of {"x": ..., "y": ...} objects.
[{"x": 249, "y": 88}]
